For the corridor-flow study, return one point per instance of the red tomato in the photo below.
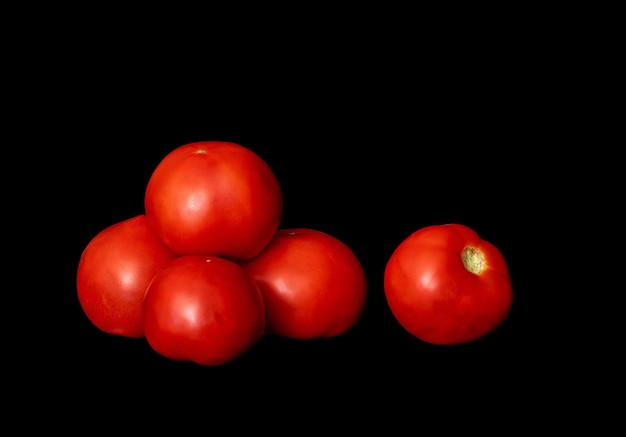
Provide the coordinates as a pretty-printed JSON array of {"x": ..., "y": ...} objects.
[
  {"x": 203, "y": 309},
  {"x": 114, "y": 271},
  {"x": 445, "y": 285},
  {"x": 214, "y": 198},
  {"x": 312, "y": 284}
]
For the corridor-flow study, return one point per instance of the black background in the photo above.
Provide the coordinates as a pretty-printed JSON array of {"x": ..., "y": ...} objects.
[{"x": 368, "y": 147}]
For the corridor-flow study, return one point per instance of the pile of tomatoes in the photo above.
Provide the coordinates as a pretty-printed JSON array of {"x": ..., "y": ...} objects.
[{"x": 206, "y": 271}]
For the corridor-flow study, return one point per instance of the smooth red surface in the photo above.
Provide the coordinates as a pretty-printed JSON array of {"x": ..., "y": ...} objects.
[
  {"x": 435, "y": 298},
  {"x": 312, "y": 284},
  {"x": 214, "y": 198},
  {"x": 203, "y": 309},
  {"x": 114, "y": 271}
]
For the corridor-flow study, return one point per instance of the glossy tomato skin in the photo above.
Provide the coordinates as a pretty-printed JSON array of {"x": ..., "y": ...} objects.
[
  {"x": 313, "y": 285},
  {"x": 114, "y": 271},
  {"x": 203, "y": 309},
  {"x": 214, "y": 197},
  {"x": 435, "y": 297}
]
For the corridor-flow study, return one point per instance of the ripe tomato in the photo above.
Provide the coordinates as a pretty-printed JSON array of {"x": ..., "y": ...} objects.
[
  {"x": 445, "y": 285},
  {"x": 203, "y": 309},
  {"x": 312, "y": 284},
  {"x": 114, "y": 271},
  {"x": 216, "y": 198}
]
